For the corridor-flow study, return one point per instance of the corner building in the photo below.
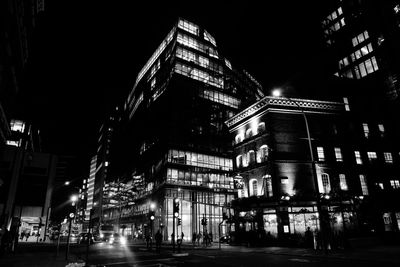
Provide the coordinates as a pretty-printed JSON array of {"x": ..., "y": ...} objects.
[
  {"x": 179, "y": 144},
  {"x": 275, "y": 170}
]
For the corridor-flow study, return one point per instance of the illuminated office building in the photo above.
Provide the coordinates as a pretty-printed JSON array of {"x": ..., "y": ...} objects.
[{"x": 179, "y": 144}]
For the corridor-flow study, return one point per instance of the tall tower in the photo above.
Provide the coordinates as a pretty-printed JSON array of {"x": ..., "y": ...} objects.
[{"x": 179, "y": 146}]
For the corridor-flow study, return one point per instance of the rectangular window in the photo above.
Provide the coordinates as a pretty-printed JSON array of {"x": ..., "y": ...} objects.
[
  {"x": 381, "y": 129},
  {"x": 388, "y": 157},
  {"x": 395, "y": 184},
  {"x": 338, "y": 154},
  {"x": 284, "y": 180},
  {"x": 343, "y": 182},
  {"x": 321, "y": 154},
  {"x": 371, "y": 156},
  {"x": 364, "y": 187},
  {"x": 358, "y": 157}
]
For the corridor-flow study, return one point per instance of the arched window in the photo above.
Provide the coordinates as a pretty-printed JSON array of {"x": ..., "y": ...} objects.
[
  {"x": 249, "y": 133},
  {"x": 253, "y": 187},
  {"x": 251, "y": 157},
  {"x": 239, "y": 138},
  {"x": 326, "y": 183},
  {"x": 239, "y": 161},
  {"x": 261, "y": 127},
  {"x": 263, "y": 153},
  {"x": 268, "y": 185}
]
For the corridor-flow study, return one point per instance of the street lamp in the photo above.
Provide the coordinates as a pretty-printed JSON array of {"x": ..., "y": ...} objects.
[{"x": 277, "y": 93}]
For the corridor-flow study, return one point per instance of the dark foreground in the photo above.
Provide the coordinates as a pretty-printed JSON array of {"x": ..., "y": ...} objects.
[{"x": 138, "y": 255}]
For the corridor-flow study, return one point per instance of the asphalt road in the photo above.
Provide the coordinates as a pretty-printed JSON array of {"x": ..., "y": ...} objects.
[{"x": 108, "y": 255}]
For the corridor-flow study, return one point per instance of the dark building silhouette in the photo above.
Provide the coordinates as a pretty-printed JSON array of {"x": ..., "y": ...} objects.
[
  {"x": 362, "y": 39},
  {"x": 28, "y": 175},
  {"x": 17, "y": 23}
]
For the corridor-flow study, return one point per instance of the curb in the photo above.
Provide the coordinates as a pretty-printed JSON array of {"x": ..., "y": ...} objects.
[{"x": 180, "y": 254}]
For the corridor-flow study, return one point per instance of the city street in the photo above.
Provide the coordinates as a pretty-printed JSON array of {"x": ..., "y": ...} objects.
[{"x": 137, "y": 255}]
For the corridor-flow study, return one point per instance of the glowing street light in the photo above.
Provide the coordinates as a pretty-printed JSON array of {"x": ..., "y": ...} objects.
[
  {"x": 67, "y": 182},
  {"x": 74, "y": 198}
]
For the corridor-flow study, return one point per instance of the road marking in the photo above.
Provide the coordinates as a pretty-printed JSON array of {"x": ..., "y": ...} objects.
[
  {"x": 206, "y": 256},
  {"x": 300, "y": 260},
  {"x": 135, "y": 262}
]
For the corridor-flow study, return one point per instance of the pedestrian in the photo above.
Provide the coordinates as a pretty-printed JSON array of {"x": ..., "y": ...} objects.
[
  {"x": 198, "y": 238},
  {"x": 5, "y": 241},
  {"x": 182, "y": 235},
  {"x": 147, "y": 241},
  {"x": 22, "y": 236},
  {"x": 27, "y": 236},
  {"x": 194, "y": 238},
  {"x": 158, "y": 237},
  {"x": 308, "y": 238}
]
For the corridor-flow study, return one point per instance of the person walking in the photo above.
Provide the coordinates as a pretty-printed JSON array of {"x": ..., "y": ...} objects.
[
  {"x": 194, "y": 236},
  {"x": 198, "y": 238},
  {"x": 158, "y": 238},
  {"x": 22, "y": 236},
  {"x": 27, "y": 236},
  {"x": 182, "y": 235}
]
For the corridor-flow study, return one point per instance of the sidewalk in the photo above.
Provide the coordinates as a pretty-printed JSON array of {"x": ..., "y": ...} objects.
[
  {"x": 37, "y": 254},
  {"x": 42, "y": 259}
]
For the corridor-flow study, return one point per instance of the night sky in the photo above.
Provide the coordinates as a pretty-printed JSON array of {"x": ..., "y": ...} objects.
[{"x": 86, "y": 55}]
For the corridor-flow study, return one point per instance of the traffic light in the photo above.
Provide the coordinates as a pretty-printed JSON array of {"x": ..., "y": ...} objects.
[
  {"x": 179, "y": 221},
  {"x": 176, "y": 207},
  {"x": 204, "y": 221},
  {"x": 152, "y": 215}
]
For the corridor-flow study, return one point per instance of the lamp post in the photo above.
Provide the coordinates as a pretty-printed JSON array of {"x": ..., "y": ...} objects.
[{"x": 277, "y": 93}]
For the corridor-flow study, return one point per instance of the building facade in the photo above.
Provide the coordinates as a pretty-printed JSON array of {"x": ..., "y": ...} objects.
[
  {"x": 178, "y": 143},
  {"x": 275, "y": 170}
]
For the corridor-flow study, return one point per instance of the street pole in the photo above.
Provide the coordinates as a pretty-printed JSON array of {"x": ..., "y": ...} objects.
[
  {"x": 69, "y": 234},
  {"x": 58, "y": 240},
  {"x": 173, "y": 233},
  {"x": 89, "y": 237}
]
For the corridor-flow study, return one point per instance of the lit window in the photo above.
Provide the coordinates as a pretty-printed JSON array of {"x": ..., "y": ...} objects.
[
  {"x": 252, "y": 157},
  {"x": 254, "y": 187},
  {"x": 188, "y": 26},
  {"x": 321, "y": 154},
  {"x": 396, "y": 9},
  {"x": 366, "y": 130},
  {"x": 338, "y": 154},
  {"x": 381, "y": 129},
  {"x": 346, "y": 103},
  {"x": 268, "y": 185},
  {"x": 261, "y": 127},
  {"x": 239, "y": 138},
  {"x": 388, "y": 157},
  {"x": 284, "y": 180},
  {"x": 326, "y": 183},
  {"x": 249, "y": 133},
  {"x": 239, "y": 161},
  {"x": 343, "y": 182},
  {"x": 358, "y": 157},
  {"x": 17, "y": 126},
  {"x": 371, "y": 155},
  {"x": 263, "y": 153},
  {"x": 395, "y": 184},
  {"x": 363, "y": 182}
]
